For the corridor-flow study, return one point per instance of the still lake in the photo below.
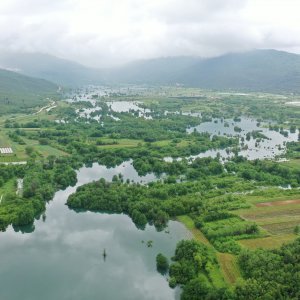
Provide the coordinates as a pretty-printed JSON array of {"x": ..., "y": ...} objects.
[{"x": 61, "y": 257}]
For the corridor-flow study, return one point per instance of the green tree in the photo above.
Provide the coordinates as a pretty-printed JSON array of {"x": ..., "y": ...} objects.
[{"x": 162, "y": 263}]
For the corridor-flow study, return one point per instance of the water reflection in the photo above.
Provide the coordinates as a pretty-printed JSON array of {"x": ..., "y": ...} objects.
[
  {"x": 63, "y": 257},
  {"x": 274, "y": 144}
]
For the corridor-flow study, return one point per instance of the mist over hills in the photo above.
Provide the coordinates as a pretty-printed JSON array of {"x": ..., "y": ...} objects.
[
  {"x": 57, "y": 70},
  {"x": 17, "y": 90},
  {"x": 258, "y": 70},
  {"x": 164, "y": 70}
]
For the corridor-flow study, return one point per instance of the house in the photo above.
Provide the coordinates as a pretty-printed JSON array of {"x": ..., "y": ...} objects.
[{"x": 6, "y": 150}]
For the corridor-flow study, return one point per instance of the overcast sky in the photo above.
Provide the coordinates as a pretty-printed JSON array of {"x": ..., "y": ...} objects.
[{"x": 109, "y": 32}]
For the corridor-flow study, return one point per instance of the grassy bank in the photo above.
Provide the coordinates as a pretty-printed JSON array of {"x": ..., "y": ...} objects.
[{"x": 229, "y": 271}]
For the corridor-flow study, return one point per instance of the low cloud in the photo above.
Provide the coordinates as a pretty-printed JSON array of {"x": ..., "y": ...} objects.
[{"x": 105, "y": 33}]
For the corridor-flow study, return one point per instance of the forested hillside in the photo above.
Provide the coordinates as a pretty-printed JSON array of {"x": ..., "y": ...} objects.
[
  {"x": 23, "y": 92},
  {"x": 60, "y": 71},
  {"x": 259, "y": 70}
]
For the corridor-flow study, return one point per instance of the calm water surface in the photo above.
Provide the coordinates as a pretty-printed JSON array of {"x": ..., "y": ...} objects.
[
  {"x": 274, "y": 145},
  {"x": 62, "y": 257}
]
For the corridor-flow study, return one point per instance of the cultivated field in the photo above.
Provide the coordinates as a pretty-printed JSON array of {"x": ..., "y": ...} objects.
[{"x": 277, "y": 213}]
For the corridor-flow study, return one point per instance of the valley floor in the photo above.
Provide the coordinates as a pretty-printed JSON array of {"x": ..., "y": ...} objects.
[{"x": 201, "y": 159}]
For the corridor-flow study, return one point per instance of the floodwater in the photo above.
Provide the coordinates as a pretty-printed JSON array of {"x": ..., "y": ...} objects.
[
  {"x": 274, "y": 145},
  {"x": 61, "y": 255},
  {"x": 129, "y": 106}
]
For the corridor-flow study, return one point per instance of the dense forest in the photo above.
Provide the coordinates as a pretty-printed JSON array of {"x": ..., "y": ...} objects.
[
  {"x": 40, "y": 181},
  {"x": 269, "y": 274}
]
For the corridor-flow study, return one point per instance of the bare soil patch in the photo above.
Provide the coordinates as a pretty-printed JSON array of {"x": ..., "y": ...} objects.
[{"x": 277, "y": 203}]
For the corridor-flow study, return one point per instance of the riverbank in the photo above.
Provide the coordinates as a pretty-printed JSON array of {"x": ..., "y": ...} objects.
[{"x": 229, "y": 271}]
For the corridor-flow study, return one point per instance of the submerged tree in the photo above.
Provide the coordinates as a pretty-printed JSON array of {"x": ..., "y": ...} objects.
[{"x": 162, "y": 263}]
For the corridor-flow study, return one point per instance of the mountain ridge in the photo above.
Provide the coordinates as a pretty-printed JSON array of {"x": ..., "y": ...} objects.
[
  {"x": 17, "y": 90},
  {"x": 257, "y": 70}
]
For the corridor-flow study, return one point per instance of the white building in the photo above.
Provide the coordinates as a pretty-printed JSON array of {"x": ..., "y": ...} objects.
[{"x": 6, "y": 151}]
